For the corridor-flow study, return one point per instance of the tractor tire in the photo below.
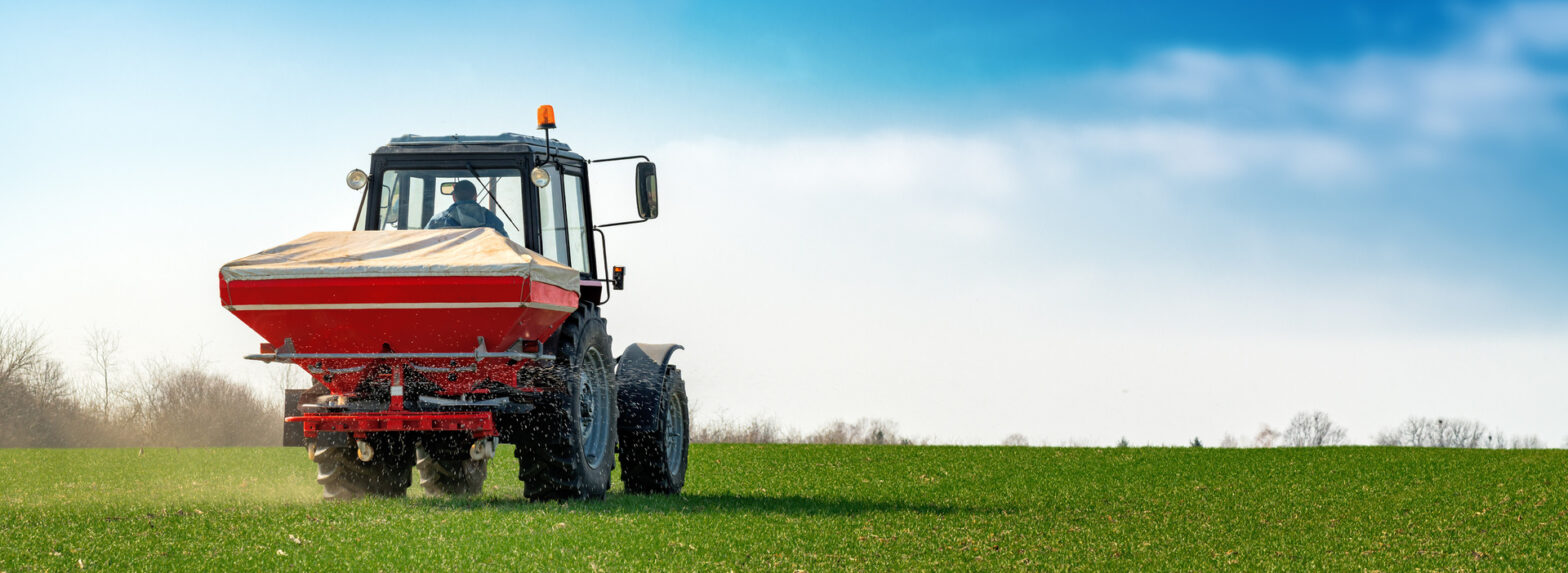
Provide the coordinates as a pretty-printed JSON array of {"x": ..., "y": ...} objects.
[
  {"x": 653, "y": 458},
  {"x": 446, "y": 469},
  {"x": 568, "y": 445},
  {"x": 343, "y": 477}
]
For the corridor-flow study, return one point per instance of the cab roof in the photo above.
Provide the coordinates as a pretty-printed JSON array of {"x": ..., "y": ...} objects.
[{"x": 501, "y": 143}]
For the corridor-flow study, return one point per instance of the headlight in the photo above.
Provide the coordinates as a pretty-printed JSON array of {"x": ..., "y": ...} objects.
[
  {"x": 357, "y": 179},
  {"x": 541, "y": 177}
]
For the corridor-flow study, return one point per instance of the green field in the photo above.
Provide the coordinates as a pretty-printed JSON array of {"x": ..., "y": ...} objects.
[{"x": 798, "y": 507}]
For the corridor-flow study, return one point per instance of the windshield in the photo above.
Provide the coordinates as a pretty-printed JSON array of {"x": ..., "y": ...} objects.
[{"x": 410, "y": 198}]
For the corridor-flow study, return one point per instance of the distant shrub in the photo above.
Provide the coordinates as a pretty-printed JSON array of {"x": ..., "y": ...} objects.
[
  {"x": 190, "y": 406},
  {"x": 167, "y": 406}
]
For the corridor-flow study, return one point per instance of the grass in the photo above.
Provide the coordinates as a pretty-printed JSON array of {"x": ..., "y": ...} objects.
[{"x": 802, "y": 507}]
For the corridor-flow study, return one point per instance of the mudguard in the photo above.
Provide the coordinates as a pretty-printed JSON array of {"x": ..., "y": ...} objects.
[{"x": 640, "y": 373}]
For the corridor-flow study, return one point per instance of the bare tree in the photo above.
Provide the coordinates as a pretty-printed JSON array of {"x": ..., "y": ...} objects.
[
  {"x": 1313, "y": 430},
  {"x": 863, "y": 431},
  {"x": 1457, "y": 433},
  {"x": 21, "y": 349},
  {"x": 1015, "y": 440},
  {"x": 1265, "y": 438},
  {"x": 836, "y": 432},
  {"x": 1229, "y": 441},
  {"x": 1437, "y": 433},
  {"x": 102, "y": 348},
  {"x": 764, "y": 430},
  {"x": 192, "y": 406},
  {"x": 1386, "y": 438},
  {"x": 40, "y": 408}
]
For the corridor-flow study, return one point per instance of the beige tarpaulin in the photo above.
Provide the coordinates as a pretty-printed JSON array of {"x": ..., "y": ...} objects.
[{"x": 428, "y": 253}]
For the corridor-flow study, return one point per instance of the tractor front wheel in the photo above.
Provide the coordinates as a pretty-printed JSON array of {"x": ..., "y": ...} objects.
[{"x": 653, "y": 457}]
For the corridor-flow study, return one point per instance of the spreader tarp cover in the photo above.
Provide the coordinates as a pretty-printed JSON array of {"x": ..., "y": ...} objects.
[{"x": 429, "y": 253}]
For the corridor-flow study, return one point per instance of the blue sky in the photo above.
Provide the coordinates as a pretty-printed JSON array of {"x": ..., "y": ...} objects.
[{"x": 1151, "y": 220}]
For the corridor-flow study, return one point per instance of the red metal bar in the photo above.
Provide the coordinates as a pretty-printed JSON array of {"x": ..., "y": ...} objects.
[
  {"x": 479, "y": 424},
  {"x": 397, "y": 390}
]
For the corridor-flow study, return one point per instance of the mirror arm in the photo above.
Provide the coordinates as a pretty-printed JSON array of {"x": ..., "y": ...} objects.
[
  {"x": 642, "y": 157},
  {"x": 621, "y": 223},
  {"x": 606, "y": 160}
]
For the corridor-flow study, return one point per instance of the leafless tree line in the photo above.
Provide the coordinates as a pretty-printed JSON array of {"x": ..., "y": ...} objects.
[
  {"x": 1452, "y": 433},
  {"x": 1316, "y": 429},
  {"x": 760, "y": 430},
  {"x": 153, "y": 404},
  {"x": 1312, "y": 429}
]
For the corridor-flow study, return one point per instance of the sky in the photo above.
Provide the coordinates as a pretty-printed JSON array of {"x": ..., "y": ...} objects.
[{"x": 1077, "y": 222}]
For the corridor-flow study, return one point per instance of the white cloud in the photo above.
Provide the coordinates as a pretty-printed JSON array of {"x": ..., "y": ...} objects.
[
  {"x": 1482, "y": 84},
  {"x": 1524, "y": 28},
  {"x": 1092, "y": 277},
  {"x": 1020, "y": 304}
]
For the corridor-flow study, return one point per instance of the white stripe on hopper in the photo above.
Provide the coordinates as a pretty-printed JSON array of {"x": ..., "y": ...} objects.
[{"x": 398, "y": 306}]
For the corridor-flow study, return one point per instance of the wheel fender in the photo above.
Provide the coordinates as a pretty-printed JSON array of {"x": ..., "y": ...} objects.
[{"x": 640, "y": 373}]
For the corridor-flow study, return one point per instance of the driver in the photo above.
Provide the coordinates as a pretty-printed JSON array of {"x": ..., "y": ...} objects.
[{"x": 465, "y": 212}]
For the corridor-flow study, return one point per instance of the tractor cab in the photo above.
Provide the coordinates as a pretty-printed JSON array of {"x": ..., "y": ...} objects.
[{"x": 536, "y": 190}]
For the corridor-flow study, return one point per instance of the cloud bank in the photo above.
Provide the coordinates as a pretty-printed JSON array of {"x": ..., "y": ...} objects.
[{"x": 1153, "y": 272}]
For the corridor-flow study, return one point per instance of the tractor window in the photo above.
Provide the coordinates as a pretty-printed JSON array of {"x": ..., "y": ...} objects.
[
  {"x": 419, "y": 199},
  {"x": 509, "y": 195},
  {"x": 410, "y": 198},
  {"x": 576, "y": 229},
  {"x": 552, "y": 221}
]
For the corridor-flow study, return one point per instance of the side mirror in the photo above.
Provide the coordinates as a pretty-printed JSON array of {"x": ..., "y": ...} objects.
[{"x": 647, "y": 191}]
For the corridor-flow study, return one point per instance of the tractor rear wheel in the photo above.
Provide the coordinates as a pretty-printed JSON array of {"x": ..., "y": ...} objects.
[
  {"x": 568, "y": 445},
  {"x": 653, "y": 458},
  {"x": 446, "y": 468},
  {"x": 343, "y": 477}
]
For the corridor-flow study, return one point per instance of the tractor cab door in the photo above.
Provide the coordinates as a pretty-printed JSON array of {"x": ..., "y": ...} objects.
[{"x": 565, "y": 219}]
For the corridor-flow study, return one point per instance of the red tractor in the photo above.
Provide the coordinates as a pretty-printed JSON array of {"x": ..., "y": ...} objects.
[{"x": 463, "y": 311}]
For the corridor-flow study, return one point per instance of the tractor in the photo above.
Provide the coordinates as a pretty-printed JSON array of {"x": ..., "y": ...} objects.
[{"x": 435, "y": 331}]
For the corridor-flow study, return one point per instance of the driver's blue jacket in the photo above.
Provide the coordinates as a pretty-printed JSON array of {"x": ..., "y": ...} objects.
[{"x": 466, "y": 214}]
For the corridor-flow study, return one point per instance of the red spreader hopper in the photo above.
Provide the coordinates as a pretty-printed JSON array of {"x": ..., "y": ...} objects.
[{"x": 464, "y": 304}]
